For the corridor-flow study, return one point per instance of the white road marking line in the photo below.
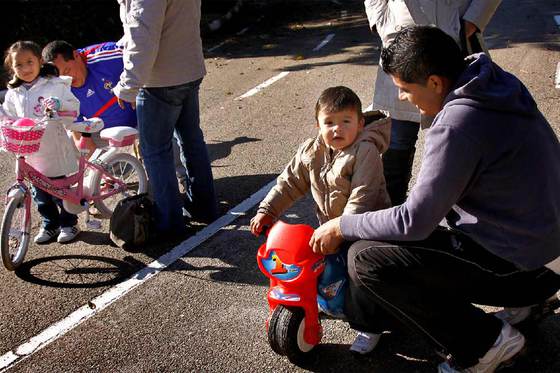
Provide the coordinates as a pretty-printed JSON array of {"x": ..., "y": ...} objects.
[
  {"x": 324, "y": 42},
  {"x": 557, "y": 20},
  {"x": 242, "y": 31},
  {"x": 263, "y": 85},
  {"x": 557, "y": 82},
  {"x": 216, "y": 46},
  {"x": 102, "y": 301}
]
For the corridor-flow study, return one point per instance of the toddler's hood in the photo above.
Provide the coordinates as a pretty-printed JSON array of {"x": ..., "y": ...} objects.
[{"x": 377, "y": 130}]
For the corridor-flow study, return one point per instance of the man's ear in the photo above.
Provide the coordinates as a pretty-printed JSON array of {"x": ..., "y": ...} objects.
[
  {"x": 76, "y": 55},
  {"x": 436, "y": 83}
]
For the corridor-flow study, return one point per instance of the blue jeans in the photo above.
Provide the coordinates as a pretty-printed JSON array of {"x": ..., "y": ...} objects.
[
  {"x": 161, "y": 112},
  {"x": 48, "y": 207}
]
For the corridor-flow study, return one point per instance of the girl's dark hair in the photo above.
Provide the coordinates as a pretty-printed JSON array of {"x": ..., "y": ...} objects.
[
  {"x": 47, "y": 69},
  {"x": 335, "y": 99},
  {"x": 420, "y": 51}
]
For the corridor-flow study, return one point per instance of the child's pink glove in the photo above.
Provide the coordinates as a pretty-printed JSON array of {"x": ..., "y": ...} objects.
[{"x": 52, "y": 103}]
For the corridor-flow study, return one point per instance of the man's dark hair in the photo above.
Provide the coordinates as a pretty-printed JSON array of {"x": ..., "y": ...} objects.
[
  {"x": 335, "y": 99},
  {"x": 420, "y": 51},
  {"x": 54, "y": 48}
]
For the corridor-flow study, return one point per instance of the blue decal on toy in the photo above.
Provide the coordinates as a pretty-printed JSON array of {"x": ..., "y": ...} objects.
[{"x": 281, "y": 271}]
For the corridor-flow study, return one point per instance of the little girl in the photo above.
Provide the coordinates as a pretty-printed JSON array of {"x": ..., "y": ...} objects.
[{"x": 33, "y": 88}]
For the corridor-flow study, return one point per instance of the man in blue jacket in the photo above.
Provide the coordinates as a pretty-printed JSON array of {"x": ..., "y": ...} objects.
[
  {"x": 491, "y": 172},
  {"x": 95, "y": 70}
]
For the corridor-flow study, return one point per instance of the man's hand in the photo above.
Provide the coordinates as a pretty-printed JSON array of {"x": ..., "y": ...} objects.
[
  {"x": 327, "y": 238},
  {"x": 121, "y": 103},
  {"x": 470, "y": 28}
]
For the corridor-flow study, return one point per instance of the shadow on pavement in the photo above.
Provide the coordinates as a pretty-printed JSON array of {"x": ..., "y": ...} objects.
[
  {"x": 222, "y": 149},
  {"x": 74, "y": 271},
  {"x": 276, "y": 28}
]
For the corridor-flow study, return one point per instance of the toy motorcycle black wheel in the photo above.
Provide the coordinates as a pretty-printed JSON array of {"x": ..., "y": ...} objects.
[{"x": 285, "y": 333}]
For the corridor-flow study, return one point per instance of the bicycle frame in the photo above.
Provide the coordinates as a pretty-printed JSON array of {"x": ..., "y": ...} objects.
[{"x": 64, "y": 188}]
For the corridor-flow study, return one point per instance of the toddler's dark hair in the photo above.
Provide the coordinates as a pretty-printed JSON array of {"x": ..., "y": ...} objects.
[
  {"x": 47, "y": 69},
  {"x": 338, "y": 98}
]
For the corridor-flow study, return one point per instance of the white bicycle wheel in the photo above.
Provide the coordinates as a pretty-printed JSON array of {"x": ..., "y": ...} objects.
[
  {"x": 127, "y": 169},
  {"x": 15, "y": 232}
]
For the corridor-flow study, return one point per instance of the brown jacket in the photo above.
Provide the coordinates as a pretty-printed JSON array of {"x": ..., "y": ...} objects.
[{"x": 348, "y": 181}]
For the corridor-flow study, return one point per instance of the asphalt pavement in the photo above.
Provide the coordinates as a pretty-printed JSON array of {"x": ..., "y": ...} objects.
[{"x": 206, "y": 311}]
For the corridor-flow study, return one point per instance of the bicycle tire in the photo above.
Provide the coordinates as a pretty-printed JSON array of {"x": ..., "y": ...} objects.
[
  {"x": 7, "y": 233},
  {"x": 127, "y": 165}
]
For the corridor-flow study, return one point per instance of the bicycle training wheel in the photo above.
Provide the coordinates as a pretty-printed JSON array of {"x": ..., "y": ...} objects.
[
  {"x": 15, "y": 232},
  {"x": 124, "y": 167}
]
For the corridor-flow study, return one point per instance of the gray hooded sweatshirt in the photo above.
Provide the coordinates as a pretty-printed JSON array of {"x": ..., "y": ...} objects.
[{"x": 491, "y": 168}]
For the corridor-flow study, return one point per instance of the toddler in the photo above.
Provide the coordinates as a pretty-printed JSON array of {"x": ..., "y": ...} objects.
[
  {"x": 342, "y": 168},
  {"x": 33, "y": 89}
]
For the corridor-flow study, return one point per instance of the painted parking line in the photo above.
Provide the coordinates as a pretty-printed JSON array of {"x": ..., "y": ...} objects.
[
  {"x": 557, "y": 80},
  {"x": 263, "y": 85},
  {"x": 244, "y": 30},
  {"x": 325, "y": 41},
  {"x": 216, "y": 46},
  {"x": 102, "y": 301}
]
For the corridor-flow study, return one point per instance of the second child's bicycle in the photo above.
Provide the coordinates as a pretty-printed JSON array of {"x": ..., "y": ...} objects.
[{"x": 104, "y": 179}]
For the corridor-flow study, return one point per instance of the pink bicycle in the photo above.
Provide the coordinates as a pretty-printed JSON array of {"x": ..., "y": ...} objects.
[{"x": 104, "y": 179}]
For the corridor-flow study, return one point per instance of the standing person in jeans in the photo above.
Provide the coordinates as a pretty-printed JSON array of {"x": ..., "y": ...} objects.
[
  {"x": 388, "y": 17},
  {"x": 491, "y": 168},
  {"x": 163, "y": 69},
  {"x": 95, "y": 70}
]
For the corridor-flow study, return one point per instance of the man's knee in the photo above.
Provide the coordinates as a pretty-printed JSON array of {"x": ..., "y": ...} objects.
[{"x": 359, "y": 255}]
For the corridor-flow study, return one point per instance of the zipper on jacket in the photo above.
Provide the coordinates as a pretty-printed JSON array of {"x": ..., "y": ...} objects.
[{"x": 328, "y": 167}]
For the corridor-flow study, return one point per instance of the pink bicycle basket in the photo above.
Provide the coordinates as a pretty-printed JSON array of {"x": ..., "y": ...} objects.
[{"x": 21, "y": 140}]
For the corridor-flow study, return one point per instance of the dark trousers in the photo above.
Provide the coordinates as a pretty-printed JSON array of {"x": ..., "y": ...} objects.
[
  {"x": 51, "y": 210},
  {"x": 398, "y": 159},
  {"x": 430, "y": 286}
]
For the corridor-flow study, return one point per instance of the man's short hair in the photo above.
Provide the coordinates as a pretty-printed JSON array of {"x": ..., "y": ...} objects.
[
  {"x": 420, "y": 51},
  {"x": 54, "y": 48},
  {"x": 339, "y": 98}
]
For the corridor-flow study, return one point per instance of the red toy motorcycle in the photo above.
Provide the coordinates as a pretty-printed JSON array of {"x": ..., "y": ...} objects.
[{"x": 293, "y": 327}]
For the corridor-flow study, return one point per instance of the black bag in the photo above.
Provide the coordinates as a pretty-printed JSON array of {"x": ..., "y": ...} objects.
[{"x": 132, "y": 221}]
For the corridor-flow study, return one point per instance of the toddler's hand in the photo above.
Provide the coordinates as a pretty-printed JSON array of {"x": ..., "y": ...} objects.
[
  {"x": 260, "y": 221},
  {"x": 52, "y": 103}
]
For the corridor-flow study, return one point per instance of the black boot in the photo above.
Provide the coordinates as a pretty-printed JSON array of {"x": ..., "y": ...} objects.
[{"x": 397, "y": 168}]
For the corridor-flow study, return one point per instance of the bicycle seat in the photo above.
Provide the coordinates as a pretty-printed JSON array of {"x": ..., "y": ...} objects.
[{"x": 119, "y": 135}]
